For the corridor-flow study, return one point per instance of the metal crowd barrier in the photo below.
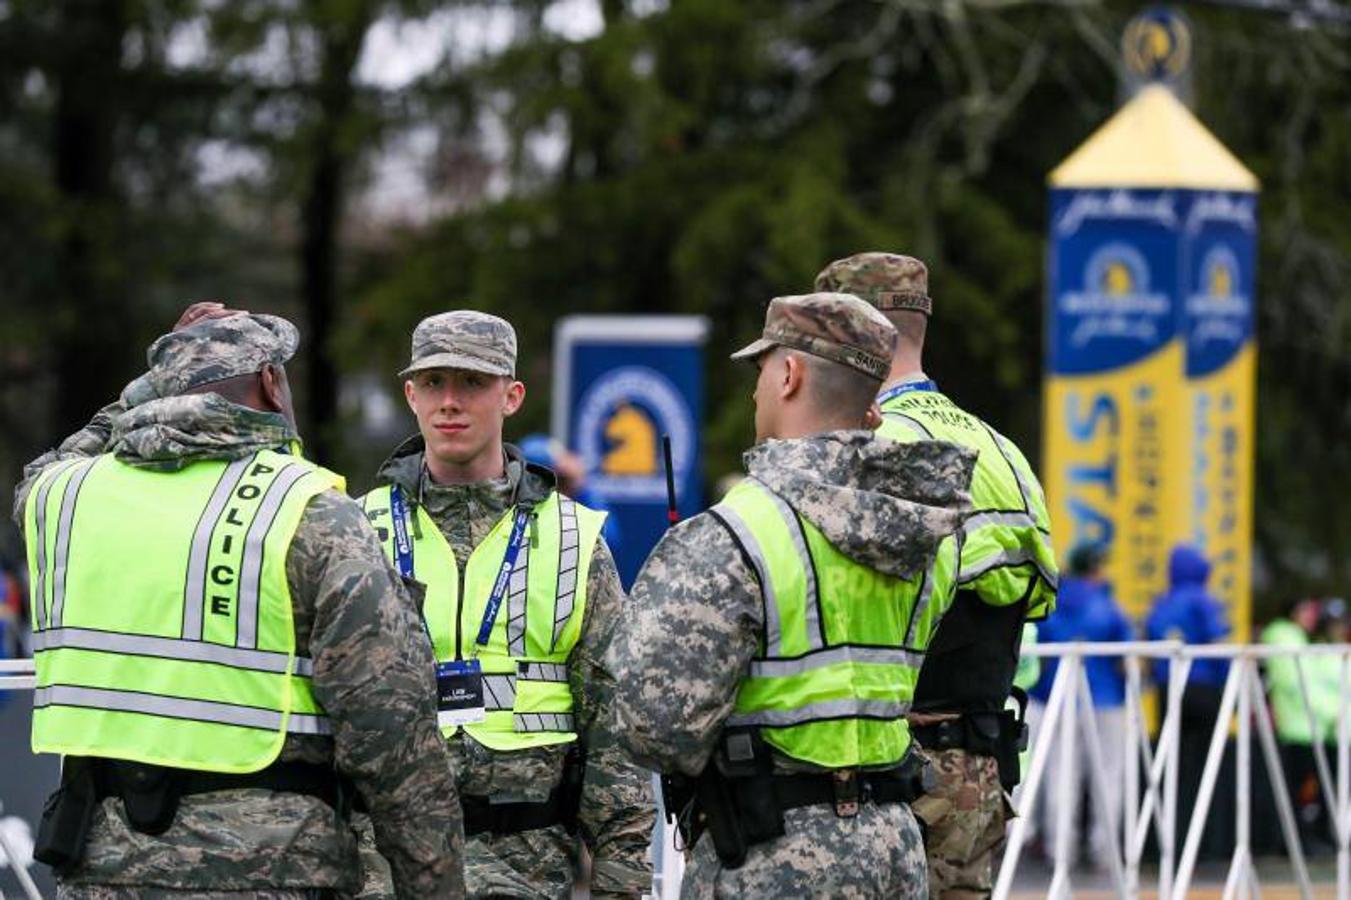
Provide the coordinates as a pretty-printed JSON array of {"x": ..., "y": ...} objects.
[
  {"x": 1069, "y": 718},
  {"x": 17, "y": 675},
  {"x": 1149, "y": 793}
]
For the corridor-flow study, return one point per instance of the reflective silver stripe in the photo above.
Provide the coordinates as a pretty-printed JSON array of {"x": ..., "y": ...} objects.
[
  {"x": 177, "y": 708},
  {"x": 913, "y": 424},
  {"x": 61, "y": 554},
  {"x": 812, "y": 608},
  {"x": 39, "y": 600},
  {"x": 1023, "y": 490},
  {"x": 999, "y": 560},
  {"x": 537, "y": 671},
  {"x": 251, "y": 568},
  {"x": 303, "y": 723},
  {"x": 194, "y": 593},
  {"x": 926, "y": 593},
  {"x": 848, "y": 707},
  {"x": 499, "y": 692},
  {"x": 1003, "y": 519},
  {"x": 568, "y": 556},
  {"x": 833, "y": 656},
  {"x": 773, "y": 633},
  {"x": 531, "y": 722},
  {"x": 517, "y": 590},
  {"x": 168, "y": 648}
]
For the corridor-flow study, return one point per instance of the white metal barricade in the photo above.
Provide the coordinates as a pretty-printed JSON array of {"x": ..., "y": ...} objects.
[
  {"x": 1148, "y": 793},
  {"x": 17, "y": 675}
]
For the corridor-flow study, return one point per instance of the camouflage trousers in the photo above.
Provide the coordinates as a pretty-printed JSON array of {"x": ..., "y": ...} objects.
[
  {"x": 964, "y": 816},
  {"x": 532, "y": 864},
  {"x": 129, "y": 892},
  {"x": 878, "y": 853}
]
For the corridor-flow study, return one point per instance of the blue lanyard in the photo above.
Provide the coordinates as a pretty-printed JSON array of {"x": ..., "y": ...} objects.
[
  {"x": 890, "y": 394},
  {"x": 499, "y": 591},
  {"x": 403, "y": 557},
  {"x": 403, "y": 547}
]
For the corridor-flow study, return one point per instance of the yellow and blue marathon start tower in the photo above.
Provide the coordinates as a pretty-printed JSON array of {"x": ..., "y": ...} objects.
[{"x": 1151, "y": 351}]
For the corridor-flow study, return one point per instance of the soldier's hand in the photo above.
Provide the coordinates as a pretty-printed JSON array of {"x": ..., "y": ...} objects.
[
  {"x": 205, "y": 309},
  {"x": 873, "y": 417}
]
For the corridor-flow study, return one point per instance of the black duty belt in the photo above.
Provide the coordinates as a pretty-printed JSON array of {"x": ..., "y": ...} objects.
[
  {"x": 847, "y": 789},
  {"x": 481, "y": 816},
  {"x": 132, "y": 781},
  {"x": 999, "y": 735}
]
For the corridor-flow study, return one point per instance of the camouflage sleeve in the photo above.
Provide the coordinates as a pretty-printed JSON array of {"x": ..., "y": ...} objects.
[
  {"x": 91, "y": 440},
  {"x": 687, "y": 633},
  {"x": 88, "y": 441},
  {"x": 618, "y": 810},
  {"x": 373, "y": 676}
]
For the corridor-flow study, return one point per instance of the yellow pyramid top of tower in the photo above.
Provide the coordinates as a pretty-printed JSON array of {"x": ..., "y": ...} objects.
[{"x": 1153, "y": 141}]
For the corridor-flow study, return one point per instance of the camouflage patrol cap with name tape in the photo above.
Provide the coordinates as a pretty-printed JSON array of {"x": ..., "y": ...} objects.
[
  {"x": 838, "y": 327},
  {"x": 889, "y": 281},
  {"x": 215, "y": 349},
  {"x": 464, "y": 339}
]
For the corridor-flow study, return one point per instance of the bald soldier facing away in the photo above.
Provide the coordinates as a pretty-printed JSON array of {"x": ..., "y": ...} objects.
[
  {"x": 222, "y": 651},
  {"x": 1007, "y": 574},
  {"x": 767, "y": 656}
]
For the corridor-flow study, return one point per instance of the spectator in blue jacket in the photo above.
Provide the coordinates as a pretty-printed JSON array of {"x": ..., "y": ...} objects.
[
  {"x": 1188, "y": 612},
  {"x": 1086, "y": 611}
]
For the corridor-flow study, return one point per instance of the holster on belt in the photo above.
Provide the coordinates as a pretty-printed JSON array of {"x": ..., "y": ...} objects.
[
  {"x": 1001, "y": 735},
  {"x": 64, "y": 827},
  {"x": 740, "y": 801}
]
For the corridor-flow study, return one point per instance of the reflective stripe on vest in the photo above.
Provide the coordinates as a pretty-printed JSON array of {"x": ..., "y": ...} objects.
[
  {"x": 1006, "y": 546},
  {"x": 167, "y": 634},
  {"x": 843, "y": 643},
  {"x": 527, "y": 695}
]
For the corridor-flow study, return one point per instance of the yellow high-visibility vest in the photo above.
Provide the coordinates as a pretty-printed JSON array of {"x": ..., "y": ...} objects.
[
  {"x": 163, "y": 628},
  {"x": 843, "y": 643},
  {"x": 525, "y": 672}
]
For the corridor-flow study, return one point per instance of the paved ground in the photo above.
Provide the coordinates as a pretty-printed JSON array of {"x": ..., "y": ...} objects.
[{"x": 1276, "y": 877}]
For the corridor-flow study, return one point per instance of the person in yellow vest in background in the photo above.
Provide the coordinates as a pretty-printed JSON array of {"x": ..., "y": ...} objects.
[
  {"x": 1007, "y": 574},
  {"x": 770, "y": 647},
  {"x": 222, "y": 650},
  {"x": 521, "y": 597}
]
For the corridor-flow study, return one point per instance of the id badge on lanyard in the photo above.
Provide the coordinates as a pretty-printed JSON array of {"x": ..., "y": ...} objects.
[
  {"x": 459, "y": 693},
  {"x": 459, "y": 684}
]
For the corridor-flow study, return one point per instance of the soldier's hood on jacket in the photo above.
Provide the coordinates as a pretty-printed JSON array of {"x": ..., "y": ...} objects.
[
  {"x": 883, "y": 504},
  {"x": 174, "y": 431},
  {"x": 529, "y": 483}
]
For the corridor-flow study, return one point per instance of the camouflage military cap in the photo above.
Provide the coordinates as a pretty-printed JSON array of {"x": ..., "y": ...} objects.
[
  {"x": 886, "y": 280},
  {"x": 464, "y": 339},
  {"x": 215, "y": 349},
  {"x": 838, "y": 327}
]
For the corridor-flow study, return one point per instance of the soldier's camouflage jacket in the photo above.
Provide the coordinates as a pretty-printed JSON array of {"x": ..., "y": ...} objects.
[
  {"x": 372, "y": 673},
  {"x": 695, "y": 618},
  {"x": 617, "y": 811}
]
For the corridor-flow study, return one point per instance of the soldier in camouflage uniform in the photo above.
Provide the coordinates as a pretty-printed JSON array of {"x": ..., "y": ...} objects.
[
  {"x": 735, "y": 607},
  {"x": 460, "y": 475},
  {"x": 1007, "y": 574},
  {"x": 216, "y": 390}
]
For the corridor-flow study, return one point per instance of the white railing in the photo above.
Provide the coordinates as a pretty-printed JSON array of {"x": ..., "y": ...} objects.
[
  {"x": 17, "y": 675},
  {"x": 1147, "y": 797},
  {"x": 1069, "y": 718}
]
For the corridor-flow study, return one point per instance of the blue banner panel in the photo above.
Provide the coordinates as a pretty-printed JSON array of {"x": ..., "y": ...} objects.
[
  {"x": 1220, "y": 285},
  {"x": 1116, "y": 459},
  {"x": 621, "y": 383}
]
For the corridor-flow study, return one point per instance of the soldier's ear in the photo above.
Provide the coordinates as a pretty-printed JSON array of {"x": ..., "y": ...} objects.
[
  {"x": 515, "y": 397},
  {"x": 794, "y": 375}
]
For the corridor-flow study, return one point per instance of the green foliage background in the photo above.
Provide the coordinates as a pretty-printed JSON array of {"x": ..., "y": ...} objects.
[{"x": 706, "y": 155}]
